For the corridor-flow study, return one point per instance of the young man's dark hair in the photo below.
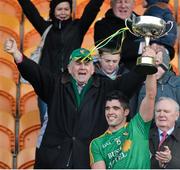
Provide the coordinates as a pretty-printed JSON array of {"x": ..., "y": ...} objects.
[{"x": 118, "y": 95}]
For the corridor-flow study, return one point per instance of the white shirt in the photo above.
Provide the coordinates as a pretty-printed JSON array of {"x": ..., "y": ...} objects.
[{"x": 168, "y": 132}]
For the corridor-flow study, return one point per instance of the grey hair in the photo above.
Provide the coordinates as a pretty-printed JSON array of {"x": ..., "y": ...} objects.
[
  {"x": 169, "y": 99},
  {"x": 112, "y": 1}
]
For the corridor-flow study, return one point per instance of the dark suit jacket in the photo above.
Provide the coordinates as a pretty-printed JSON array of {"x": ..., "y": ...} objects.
[{"x": 172, "y": 141}]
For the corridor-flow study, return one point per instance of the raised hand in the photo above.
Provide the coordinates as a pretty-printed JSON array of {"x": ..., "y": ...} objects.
[
  {"x": 10, "y": 46},
  {"x": 148, "y": 51}
]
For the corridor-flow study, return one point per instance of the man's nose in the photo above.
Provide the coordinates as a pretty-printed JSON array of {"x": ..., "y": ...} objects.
[
  {"x": 161, "y": 113},
  {"x": 111, "y": 63},
  {"x": 123, "y": 3},
  {"x": 110, "y": 111},
  {"x": 63, "y": 11},
  {"x": 82, "y": 66}
]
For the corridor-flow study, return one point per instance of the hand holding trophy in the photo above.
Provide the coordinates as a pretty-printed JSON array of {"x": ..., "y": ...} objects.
[{"x": 150, "y": 28}]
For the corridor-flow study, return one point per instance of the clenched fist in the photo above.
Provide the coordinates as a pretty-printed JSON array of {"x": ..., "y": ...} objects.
[{"x": 10, "y": 46}]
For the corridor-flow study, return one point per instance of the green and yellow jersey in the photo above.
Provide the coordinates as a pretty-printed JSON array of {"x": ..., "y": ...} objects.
[{"x": 127, "y": 148}]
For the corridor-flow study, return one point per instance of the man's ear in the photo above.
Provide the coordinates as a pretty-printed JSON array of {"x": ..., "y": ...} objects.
[
  {"x": 177, "y": 116},
  {"x": 69, "y": 68},
  {"x": 126, "y": 112}
]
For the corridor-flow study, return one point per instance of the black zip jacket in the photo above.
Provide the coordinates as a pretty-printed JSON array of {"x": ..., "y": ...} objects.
[{"x": 63, "y": 37}]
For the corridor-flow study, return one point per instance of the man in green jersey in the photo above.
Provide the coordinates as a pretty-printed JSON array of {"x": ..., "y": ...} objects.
[{"x": 125, "y": 145}]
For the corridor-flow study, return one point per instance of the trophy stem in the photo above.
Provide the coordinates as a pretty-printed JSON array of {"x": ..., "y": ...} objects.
[{"x": 147, "y": 40}]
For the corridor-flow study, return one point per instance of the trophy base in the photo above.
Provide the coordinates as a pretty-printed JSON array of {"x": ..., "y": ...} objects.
[{"x": 145, "y": 65}]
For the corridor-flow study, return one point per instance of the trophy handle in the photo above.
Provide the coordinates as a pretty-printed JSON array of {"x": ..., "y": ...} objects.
[
  {"x": 166, "y": 32},
  {"x": 129, "y": 21}
]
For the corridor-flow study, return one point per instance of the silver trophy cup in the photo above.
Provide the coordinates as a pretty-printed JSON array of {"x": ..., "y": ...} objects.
[{"x": 150, "y": 28}]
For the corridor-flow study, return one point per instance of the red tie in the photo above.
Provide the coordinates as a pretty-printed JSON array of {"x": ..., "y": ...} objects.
[{"x": 164, "y": 136}]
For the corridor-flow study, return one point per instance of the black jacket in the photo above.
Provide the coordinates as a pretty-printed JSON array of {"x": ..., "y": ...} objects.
[
  {"x": 70, "y": 129},
  {"x": 63, "y": 37},
  {"x": 172, "y": 141},
  {"x": 109, "y": 25}
]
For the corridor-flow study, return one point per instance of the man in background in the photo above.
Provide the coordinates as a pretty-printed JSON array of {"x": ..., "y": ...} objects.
[
  {"x": 165, "y": 137},
  {"x": 113, "y": 21},
  {"x": 168, "y": 83}
]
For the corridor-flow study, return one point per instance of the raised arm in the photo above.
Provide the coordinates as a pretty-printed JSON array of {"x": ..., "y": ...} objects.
[
  {"x": 41, "y": 79},
  {"x": 147, "y": 105},
  {"x": 10, "y": 46},
  {"x": 89, "y": 14},
  {"x": 33, "y": 15}
]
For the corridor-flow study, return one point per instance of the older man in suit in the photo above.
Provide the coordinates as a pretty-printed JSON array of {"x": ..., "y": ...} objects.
[{"x": 165, "y": 138}]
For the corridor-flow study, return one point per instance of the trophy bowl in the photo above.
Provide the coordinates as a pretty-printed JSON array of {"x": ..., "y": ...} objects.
[{"x": 150, "y": 28}]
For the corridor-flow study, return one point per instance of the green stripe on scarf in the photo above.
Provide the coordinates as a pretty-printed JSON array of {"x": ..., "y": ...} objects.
[{"x": 79, "y": 97}]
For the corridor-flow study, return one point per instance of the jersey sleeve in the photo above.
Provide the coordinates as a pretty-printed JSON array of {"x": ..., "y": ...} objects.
[
  {"x": 139, "y": 127},
  {"x": 95, "y": 153}
]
